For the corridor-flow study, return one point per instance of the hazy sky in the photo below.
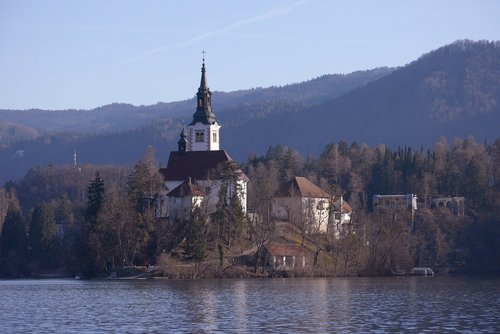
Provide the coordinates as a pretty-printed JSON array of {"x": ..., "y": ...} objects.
[{"x": 84, "y": 54}]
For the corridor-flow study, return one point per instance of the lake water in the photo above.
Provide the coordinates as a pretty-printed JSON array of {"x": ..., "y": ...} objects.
[{"x": 379, "y": 305}]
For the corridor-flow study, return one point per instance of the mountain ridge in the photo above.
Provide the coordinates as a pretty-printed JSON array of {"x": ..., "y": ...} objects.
[
  {"x": 124, "y": 116},
  {"x": 405, "y": 107},
  {"x": 453, "y": 91}
]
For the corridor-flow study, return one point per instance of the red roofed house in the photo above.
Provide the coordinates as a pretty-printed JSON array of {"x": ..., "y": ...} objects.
[
  {"x": 195, "y": 171},
  {"x": 183, "y": 199},
  {"x": 300, "y": 199}
]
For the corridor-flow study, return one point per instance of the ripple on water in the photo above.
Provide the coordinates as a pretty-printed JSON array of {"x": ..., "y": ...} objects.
[{"x": 376, "y": 305}]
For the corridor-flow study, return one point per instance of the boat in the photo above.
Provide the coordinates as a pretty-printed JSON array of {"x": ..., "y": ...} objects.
[{"x": 421, "y": 271}]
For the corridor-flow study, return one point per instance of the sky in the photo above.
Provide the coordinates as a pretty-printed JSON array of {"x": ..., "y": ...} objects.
[{"x": 82, "y": 54}]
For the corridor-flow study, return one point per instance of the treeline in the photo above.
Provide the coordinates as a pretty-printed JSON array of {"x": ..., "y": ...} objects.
[
  {"x": 357, "y": 172},
  {"x": 94, "y": 219},
  {"x": 383, "y": 242}
]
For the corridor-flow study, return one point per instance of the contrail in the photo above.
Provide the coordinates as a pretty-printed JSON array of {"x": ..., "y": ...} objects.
[{"x": 268, "y": 15}]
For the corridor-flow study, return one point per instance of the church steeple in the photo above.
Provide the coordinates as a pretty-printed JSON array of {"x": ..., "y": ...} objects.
[
  {"x": 203, "y": 131},
  {"x": 203, "y": 112},
  {"x": 203, "y": 82}
]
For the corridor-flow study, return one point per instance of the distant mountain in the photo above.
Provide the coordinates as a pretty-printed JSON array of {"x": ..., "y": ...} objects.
[
  {"x": 121, "y": 116},
  {"x": 452, "y": 91},
  {"x": 120, "y": 133}
]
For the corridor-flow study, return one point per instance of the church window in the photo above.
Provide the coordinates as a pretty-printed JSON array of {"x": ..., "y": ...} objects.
[
  {"x": 214, "y": 137},
  {"x": 199, "y": 136}
]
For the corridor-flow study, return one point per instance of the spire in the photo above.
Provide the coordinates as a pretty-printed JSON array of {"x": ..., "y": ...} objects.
[
  {"x": 203, "y": 112},
  {"x": 203, "y": 82}
]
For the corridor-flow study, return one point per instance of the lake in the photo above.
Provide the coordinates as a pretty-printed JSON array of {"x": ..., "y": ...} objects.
[{"x": 324, "y": 305}]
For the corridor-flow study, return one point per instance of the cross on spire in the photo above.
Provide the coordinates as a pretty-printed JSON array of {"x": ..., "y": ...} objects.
[{"x": 203, "y": 56}]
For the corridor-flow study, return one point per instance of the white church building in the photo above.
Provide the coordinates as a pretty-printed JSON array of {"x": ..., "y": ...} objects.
[{"x": 193, "y": 175}]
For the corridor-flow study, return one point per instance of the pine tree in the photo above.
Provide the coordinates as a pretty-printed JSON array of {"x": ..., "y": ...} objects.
[
  {"x": 43, "y": 235},
  {"x": 95, "y": 198},
  {"x": 236, "y": 217},
  {"x": 13, "y": 239},
  {"x": 13, "y": 243},
  {"x": 196, "y": 236}
]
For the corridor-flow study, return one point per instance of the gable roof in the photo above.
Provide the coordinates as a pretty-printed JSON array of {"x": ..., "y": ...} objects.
[
  {"x": 301, "y": 186},
  {"x": 197, "y": 165},
  {"x": 285, "y": 249},
  {"x": 186, "y": 189}
]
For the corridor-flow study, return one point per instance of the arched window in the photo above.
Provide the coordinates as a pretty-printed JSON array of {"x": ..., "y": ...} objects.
[{"x": 214, "y": 137}]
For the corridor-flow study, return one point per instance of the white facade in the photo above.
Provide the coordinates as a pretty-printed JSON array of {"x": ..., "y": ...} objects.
[
  {"x": 203, "y": 137},
  {"x": 312, "y": 211},
  {"x": 211, "y": 188},
  {"x": 181, "y": 208}
]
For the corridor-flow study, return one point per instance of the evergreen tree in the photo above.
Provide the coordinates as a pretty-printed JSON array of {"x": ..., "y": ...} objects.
[
  {"x": 43, "y": 235},
  {"x": 229, "y": 216},
  {"x": 95, "y": 198},
  {"x": 221, "y": 214},
  {"x": 143, "y": 184},
  {"x": 13, "y": 237},
  {"x": 13, "y": 243},
  {"x": 236, "y": 217},
  {"x": 196, "y": 236}
]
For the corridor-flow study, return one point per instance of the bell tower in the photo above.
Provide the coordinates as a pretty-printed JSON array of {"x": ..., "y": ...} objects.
[{"x": 203, "y": 131}]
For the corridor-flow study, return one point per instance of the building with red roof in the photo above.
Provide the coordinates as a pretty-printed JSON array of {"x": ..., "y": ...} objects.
[
  {"x": 300, "y": 201},
  {"x": 197, "y": 170}
]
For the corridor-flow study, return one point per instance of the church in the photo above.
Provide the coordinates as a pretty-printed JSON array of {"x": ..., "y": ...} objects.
[{"x": 195, "y": 172}]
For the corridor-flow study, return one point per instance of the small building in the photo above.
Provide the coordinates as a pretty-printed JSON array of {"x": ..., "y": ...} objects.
[
  {"x": 284, "y": 257},
  {"x": 392, "y": 202},
  {"x": 184, "y": 199},
  {"x": 301, "y": 200},
  {"x": 406, "y": 202}
]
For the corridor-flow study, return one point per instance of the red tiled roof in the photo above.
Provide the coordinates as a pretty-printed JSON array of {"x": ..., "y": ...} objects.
[
  {"x": 285, "y": 250},
  {"x": 197, "y": 165},
  {"x": 301, "y": 186},
  {"x": 186, "y": 189}
]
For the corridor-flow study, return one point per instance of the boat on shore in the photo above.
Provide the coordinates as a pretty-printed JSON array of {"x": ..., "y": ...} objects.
[{"x": 421, "y": 271}]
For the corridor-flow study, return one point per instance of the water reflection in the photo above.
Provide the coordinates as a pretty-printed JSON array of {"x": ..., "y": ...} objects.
[{"x": 440, "y": 304}]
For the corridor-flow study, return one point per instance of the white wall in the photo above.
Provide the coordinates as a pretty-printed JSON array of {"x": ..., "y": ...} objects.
[
  {"x": 208, "y": 144},
  {"x": 316, "y": 210},
  {"x": 210, "y": 188}
]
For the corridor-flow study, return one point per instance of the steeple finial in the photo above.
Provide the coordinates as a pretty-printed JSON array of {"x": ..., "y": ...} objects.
[
  {"x": 203, "y": 83},
  {"x": 203, "y": 112}
]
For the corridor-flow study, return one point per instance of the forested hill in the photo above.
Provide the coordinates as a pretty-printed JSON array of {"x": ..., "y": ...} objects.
[
  {"x": 452, "y": 91},
  {"x": 120, "y": 133},
  {"x": 120, "y": 116}
]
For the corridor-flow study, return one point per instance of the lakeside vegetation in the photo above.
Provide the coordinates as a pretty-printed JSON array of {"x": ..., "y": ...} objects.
[{"x": 95, "y": 220}]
